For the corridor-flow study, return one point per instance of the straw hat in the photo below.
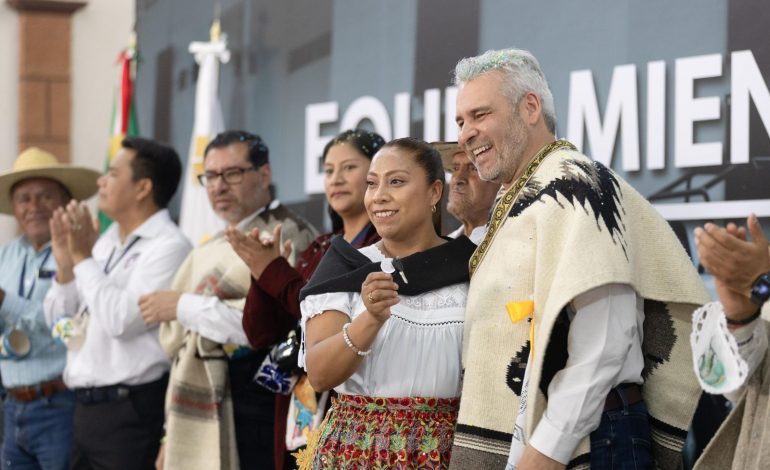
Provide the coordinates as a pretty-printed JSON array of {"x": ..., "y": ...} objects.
[
  {"x": 447, "y": 151},
  {"x": 37, "y": 163}
]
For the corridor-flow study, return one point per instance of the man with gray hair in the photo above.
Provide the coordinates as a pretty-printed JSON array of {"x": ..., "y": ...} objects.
[{"x": 580, "y": 296}]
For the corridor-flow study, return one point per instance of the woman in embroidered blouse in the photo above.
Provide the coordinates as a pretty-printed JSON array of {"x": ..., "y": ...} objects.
[
  {"x": 390, "y": 345},
  {"x": 272, "y": 305}
]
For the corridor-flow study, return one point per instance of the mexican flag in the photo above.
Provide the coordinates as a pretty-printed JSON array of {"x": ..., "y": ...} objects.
[{"x": 123, "y": 110}]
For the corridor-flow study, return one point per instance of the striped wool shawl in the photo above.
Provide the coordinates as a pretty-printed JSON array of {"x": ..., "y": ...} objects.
[{"x": 200, "y": 432}]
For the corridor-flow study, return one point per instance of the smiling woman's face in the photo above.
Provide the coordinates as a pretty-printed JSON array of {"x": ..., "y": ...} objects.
[{"x": 398, "y": 197}]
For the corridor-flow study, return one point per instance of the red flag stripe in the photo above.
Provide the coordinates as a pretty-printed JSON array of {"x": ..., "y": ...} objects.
[{"x": 126, "y": 89}]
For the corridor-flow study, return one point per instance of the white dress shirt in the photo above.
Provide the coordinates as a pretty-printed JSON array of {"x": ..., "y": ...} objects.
[
  {"x": 477, "y": 234},
  {"x": 604, "y": 344},
  {"x": 119, "y": 348},
  {"x": 208, "y": 315}
]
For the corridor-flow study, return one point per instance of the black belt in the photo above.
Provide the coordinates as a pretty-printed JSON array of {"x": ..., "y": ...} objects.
[
  {"x": 94, "y": 395},
  {"x": 629, "y": 393}
]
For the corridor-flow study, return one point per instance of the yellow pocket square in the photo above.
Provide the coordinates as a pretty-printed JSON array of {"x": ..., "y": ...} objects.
[{"x": 518, "y": 311}]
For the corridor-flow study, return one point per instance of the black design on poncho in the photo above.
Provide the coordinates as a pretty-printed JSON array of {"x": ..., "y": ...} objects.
[
  {"x": 659, "y": 336},
  {"x": 586, "y": 183},
  {"x": 515, "y": 374}
]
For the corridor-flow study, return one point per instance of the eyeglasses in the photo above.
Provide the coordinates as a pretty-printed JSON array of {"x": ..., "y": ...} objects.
[{"x": 230, "y": 175}]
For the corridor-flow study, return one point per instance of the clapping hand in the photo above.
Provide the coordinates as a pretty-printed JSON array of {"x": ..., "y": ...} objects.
[
  {"x": 727, "y": 254},
  {"x": 256, "y": 250},
  {"x": 83, "y": 231},
  {"x": 59, "y": 227},
  {"x": 735, "y": 262}
]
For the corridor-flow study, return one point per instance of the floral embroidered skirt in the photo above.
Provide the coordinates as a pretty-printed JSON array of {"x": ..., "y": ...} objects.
[{"x": 395, "y": 433}]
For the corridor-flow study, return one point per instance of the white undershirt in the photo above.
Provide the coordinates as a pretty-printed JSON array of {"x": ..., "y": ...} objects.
[{"x": 477, "y": 234}]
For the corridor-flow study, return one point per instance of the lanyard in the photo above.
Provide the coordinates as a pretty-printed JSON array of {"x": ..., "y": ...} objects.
[
  {"x": 34, "y": 280},
  {"x": 107, "y": 267}
]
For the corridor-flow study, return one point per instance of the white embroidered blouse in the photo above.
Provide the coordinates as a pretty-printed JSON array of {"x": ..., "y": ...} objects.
[
  {"x": 417, "y": 352},
  {"x": 724, "y": 359}
]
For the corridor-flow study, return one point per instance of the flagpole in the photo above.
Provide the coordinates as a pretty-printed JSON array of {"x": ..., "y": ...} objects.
[{"x": 197, "y": 219}]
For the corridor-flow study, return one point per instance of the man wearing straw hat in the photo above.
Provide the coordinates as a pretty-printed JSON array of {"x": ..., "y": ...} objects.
[
  {"x": 38, "y": 408},
  {"x": 470, "y": 198}
]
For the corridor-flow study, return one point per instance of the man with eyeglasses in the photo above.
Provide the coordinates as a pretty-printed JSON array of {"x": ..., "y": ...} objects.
[
  {"x": 115, "y": 363},
  {"x": 217, "y": 416}
]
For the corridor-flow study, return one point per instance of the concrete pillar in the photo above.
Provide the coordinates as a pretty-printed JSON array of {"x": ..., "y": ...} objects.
[{"x": 45, "y": 40}]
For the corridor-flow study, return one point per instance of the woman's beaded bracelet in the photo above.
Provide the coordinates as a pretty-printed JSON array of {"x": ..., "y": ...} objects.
[{"x": 350, "y": 343}]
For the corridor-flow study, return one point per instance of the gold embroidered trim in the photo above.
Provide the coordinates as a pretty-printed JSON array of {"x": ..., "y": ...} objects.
[
  {"x": 506, "y": 202},
  {"x": 304, "y": 457}
]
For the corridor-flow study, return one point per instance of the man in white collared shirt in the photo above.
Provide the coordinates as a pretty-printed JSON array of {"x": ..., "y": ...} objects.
[
  {"x": 115, "y": 362},
  {"x": 211, "y": 389}
]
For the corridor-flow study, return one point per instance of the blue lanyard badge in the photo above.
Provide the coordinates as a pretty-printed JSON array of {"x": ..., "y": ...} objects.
[
  {"x": 109, "y": 266},
  {"x": 41, "y": 273}
]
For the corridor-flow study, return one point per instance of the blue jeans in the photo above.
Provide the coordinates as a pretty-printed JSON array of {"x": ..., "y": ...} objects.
[
  {"x": 38, "y": 434},
  {"x": 622, "y": 440}
]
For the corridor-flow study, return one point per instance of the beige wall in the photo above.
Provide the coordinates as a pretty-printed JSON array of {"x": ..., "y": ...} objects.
[
  {"x": 9, "y": 77},
  {"x": 99, "y": 31}
]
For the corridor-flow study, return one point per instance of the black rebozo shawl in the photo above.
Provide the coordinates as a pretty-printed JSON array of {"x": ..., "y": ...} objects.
[{"x": 343, "y": 268}]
